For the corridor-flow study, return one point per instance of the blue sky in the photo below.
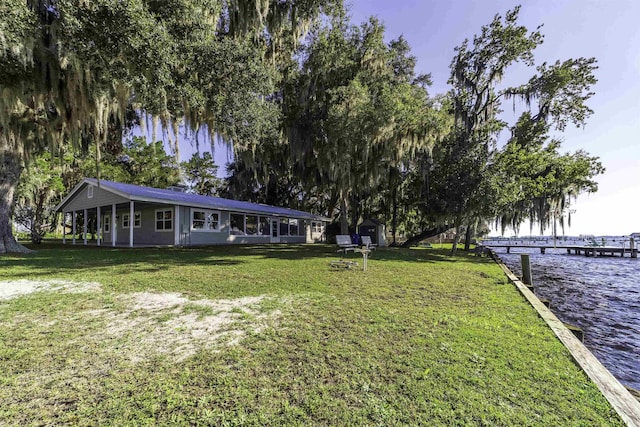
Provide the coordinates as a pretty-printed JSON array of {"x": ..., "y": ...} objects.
[{"x": 607, "y": 30}]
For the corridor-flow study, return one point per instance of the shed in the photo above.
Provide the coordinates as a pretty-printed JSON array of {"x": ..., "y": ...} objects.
[{"x": 375, "y": 229}]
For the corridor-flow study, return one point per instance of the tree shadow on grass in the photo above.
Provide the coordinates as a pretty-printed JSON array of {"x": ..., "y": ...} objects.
[
  {"x": 51, "y": 259},
  {"x": 314, "y": 251},
  {"x": 420, "y": 255},
  {"x": 55, "y": 258}
]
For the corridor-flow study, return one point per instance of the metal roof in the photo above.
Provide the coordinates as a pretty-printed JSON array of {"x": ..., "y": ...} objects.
[{"x": 157, "y": 195}]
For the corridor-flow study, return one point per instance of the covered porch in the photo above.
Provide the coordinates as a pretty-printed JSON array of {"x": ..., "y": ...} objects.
[{"x": 124, "y": 224}]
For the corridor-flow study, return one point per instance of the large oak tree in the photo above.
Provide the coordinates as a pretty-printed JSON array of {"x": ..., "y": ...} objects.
[
  {"x": 467, "y": 185},
  {"x": 354, "y": 110},
  {"x": 70, "y": 69}
]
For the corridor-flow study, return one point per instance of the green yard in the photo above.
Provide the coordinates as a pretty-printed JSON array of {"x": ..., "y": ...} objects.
[{"x": 271, "y": 336}]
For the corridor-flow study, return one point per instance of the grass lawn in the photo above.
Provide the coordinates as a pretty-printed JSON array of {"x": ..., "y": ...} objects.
[{"x": 270, "y": 335}]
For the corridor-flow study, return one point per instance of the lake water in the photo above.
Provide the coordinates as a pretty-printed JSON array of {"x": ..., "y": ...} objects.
[{"x": 600, "y": 295}]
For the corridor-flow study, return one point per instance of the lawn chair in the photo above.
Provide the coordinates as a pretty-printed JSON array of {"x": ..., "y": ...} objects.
[
  {"x": 344, "y": 243},
  {"x": 366, "y": 241}
]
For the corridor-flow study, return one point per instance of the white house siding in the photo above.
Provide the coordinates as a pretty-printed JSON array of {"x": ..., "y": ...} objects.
[
  {"x": 146, "y": 234},
  {"x": 100, "y": 198},
  {"x": 183, "y": 225}
]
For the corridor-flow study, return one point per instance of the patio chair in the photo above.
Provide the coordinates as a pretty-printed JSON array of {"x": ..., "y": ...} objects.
[
  {"x": 366, "y": 241},
  {"x": 344, "y": 243}
]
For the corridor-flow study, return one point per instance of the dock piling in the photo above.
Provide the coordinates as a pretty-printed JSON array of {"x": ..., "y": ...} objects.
[{"x": 526, "y": 269}]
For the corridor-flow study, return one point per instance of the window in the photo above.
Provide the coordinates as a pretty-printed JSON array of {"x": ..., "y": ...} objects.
[
  {"x": 106, "y": 226},
  {"x": 316, "y": 227},
  {"x": 237, "y": 224},
  {"x": 265, "y": 227},
  {"x": 293, "y": 227},
  {"x": 284, "y": 226},
  {"x": 249, "y": 225},
  {"x": 205, "y": 220},
  {"x": 90, "y": 192},
  {"x": 198, "y": 220},
  {"x": 252, "y": 224},
  {"x": 164, "y": 220},
  {"x": 137, "y": 220}
]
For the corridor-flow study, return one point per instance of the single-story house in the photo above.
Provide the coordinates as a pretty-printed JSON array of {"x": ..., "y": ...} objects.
[{"x": 131, "y": 215}]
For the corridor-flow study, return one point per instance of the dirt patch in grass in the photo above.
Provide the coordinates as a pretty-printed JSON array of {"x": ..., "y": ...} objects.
[
  {"x": 152, "y": 324},
  {"x": 136, "y": 327},
  {"x": 15, "y": 288}
]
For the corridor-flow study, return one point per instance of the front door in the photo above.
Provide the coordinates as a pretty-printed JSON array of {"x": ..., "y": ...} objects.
[{"x": 275, "y": 230}]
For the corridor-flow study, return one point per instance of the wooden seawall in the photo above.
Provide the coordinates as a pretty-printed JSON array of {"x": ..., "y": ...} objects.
[{"x": 624, "y": 403}]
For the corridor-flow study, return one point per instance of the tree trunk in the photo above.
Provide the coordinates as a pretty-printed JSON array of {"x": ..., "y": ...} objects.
[
  {"x": 10, "y": 170},
  {"x": 37, "y": 226},
  {"x": 355, "y": 210},
  {"x": 424, "y": 235},
  {"x": 344, "y": 220},
  {"x": 333, "y": 201},
  {"x": 394, "y": 215},
  {"x": 456, "y": 239},
  {"x": 467, "y": 237}
]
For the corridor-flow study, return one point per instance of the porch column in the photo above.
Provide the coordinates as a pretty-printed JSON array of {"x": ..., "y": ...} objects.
[
  {"x": 131, "y": 221},
  {"x": 73, "y": 226},
  {"x": 176, "y": 228},
  {"x": 84, "y": 227},
  {"x": 98, "y": 227},
  {"x": 114, "y": 223},
  {"x": 64, "y": 228}
]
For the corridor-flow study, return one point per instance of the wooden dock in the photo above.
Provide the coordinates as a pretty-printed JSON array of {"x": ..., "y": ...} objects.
[{"x": 590, "y": 251}]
